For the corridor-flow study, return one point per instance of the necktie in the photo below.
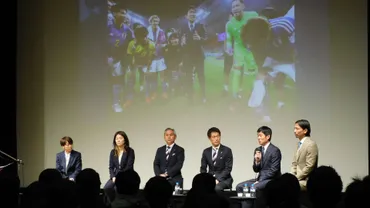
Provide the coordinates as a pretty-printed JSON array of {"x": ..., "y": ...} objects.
[
  {"x": 299, "y": 144},
  {"x": 167, "y": 152},
  {"x": 154, "y": 35},
  {"x": 214, "y": 156},
  {"x": 191, "y": 27}
]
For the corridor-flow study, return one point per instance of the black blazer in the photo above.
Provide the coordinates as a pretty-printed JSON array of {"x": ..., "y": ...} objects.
[
  {"x": 74, "y": 164},
  {"x": 193, "y": 48},
  {"x": 174, "y": 163},
  {"x": 224, "y": 164},
  {"x": 127, "y": 162},
  {"x": 270, "y": 166}
]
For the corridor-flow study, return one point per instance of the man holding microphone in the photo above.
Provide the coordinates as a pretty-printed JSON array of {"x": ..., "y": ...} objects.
[{"x": 266, "y": 162}]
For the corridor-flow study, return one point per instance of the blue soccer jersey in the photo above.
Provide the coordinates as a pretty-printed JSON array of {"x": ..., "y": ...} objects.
[
  {"x": 282, "y": 41},
  {"x": 119, "y": 37}
]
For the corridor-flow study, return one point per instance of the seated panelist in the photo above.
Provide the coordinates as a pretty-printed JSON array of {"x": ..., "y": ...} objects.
[
  {"x": 218, "y": 159},
  {"x": 121, "y": 157},
  {"x": 169, "y": 159},
  {"x": 68, "y": 162},
  {"x": 266, "y": 163}
]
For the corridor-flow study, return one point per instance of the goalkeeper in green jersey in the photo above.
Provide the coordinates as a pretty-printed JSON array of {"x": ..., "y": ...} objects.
[{"x": 243, "y": 58}]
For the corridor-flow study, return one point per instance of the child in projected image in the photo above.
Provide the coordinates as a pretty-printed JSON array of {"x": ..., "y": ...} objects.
[
  {"x": 158, "y": 36},
  {"x": 141, "y": 52},
  {"x": 173, "y": 57},
  {"x": 272, "y": 44}
]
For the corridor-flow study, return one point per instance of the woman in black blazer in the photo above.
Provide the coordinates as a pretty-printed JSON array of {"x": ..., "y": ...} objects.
[{"x": 121, "y": 158}]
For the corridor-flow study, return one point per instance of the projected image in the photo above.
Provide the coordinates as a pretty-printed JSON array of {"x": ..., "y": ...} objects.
[{"x": 230, "y": 55}]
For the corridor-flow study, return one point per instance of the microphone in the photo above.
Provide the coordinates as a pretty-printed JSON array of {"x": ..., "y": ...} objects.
[{"x": 258, "y": 149}]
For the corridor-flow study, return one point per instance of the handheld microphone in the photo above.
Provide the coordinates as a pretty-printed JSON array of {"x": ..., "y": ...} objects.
[{"x": 258, "y": 150}]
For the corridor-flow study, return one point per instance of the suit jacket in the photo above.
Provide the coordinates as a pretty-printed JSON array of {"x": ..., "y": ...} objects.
[
  {"x": 223, "y": 167},
  {"x": 193, "y": 48},
  {"x": 74, "y": 165},
  {"x": 305, "y": 160},
  {"x": 127, "y": 162},
  {"x": 173, "y": 164},
  {"x": 270, "y": 166}
]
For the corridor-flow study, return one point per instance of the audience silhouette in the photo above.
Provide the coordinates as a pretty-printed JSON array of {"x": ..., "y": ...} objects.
[{"x": 324, "y": 189}]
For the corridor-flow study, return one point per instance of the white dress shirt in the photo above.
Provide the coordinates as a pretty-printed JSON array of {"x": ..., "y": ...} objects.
[
  {"x": 215, "y": 149},
  {"x": 302, "y": 141},
  {"x": 265, "y": 148},
  {"x": 191, "y": 26},
  {"x": 67, "y": 155},
  {"x": 120, "y": 157}
]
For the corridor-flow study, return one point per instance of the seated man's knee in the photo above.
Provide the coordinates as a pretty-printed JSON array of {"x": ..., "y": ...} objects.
[
  {"x": 302, "y": 184},
  {"x": 219, "y": 187}
]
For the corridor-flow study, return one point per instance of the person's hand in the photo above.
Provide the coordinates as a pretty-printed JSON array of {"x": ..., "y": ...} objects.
[
  {"x": 114, "y": 179},
  {"x": 217, "y": 181},
  {"x": 196, "y": 36},
  {"x": 238, "y": 67},
  {"x": 257, "y": 156},
  {"x": 71, "y": 179},
  {"x": 110, "y": 61},
  {"x": 183, "y": 39},
  {"x": 229, "y": 51}
]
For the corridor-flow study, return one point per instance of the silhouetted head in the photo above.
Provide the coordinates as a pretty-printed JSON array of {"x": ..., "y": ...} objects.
[
  {"x": 50, "y": 176},
  {"x": 357, "y": 193},
  {"x": 88, "y": 181},
  {"x": 324, "y": 186},
  {"x": 283, "y": 191},
  {"x": 158, "y": 191},
  {"x": 127, "y": 182},
  {"x": 204, "y": 182}
]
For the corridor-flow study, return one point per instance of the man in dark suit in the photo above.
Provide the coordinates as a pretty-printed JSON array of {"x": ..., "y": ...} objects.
[
  {"x": 219, "y": 160},
  {"x": 169, "y": 159},
  {"x": 68, "y": 162},
  {"x": 193, "y": 37},
  {"x": 266, "y": 163}
]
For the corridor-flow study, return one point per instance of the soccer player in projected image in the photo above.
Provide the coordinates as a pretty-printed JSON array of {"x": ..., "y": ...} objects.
[
  {"x": 158, "y": 37},
  {"x": 141, "y": 52},
  {"x": 228, "y": 61},
  {"x": 243, "y": 57},
  {"x": 272, "y": 44},
  {"x": 119, "y": 36}
]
